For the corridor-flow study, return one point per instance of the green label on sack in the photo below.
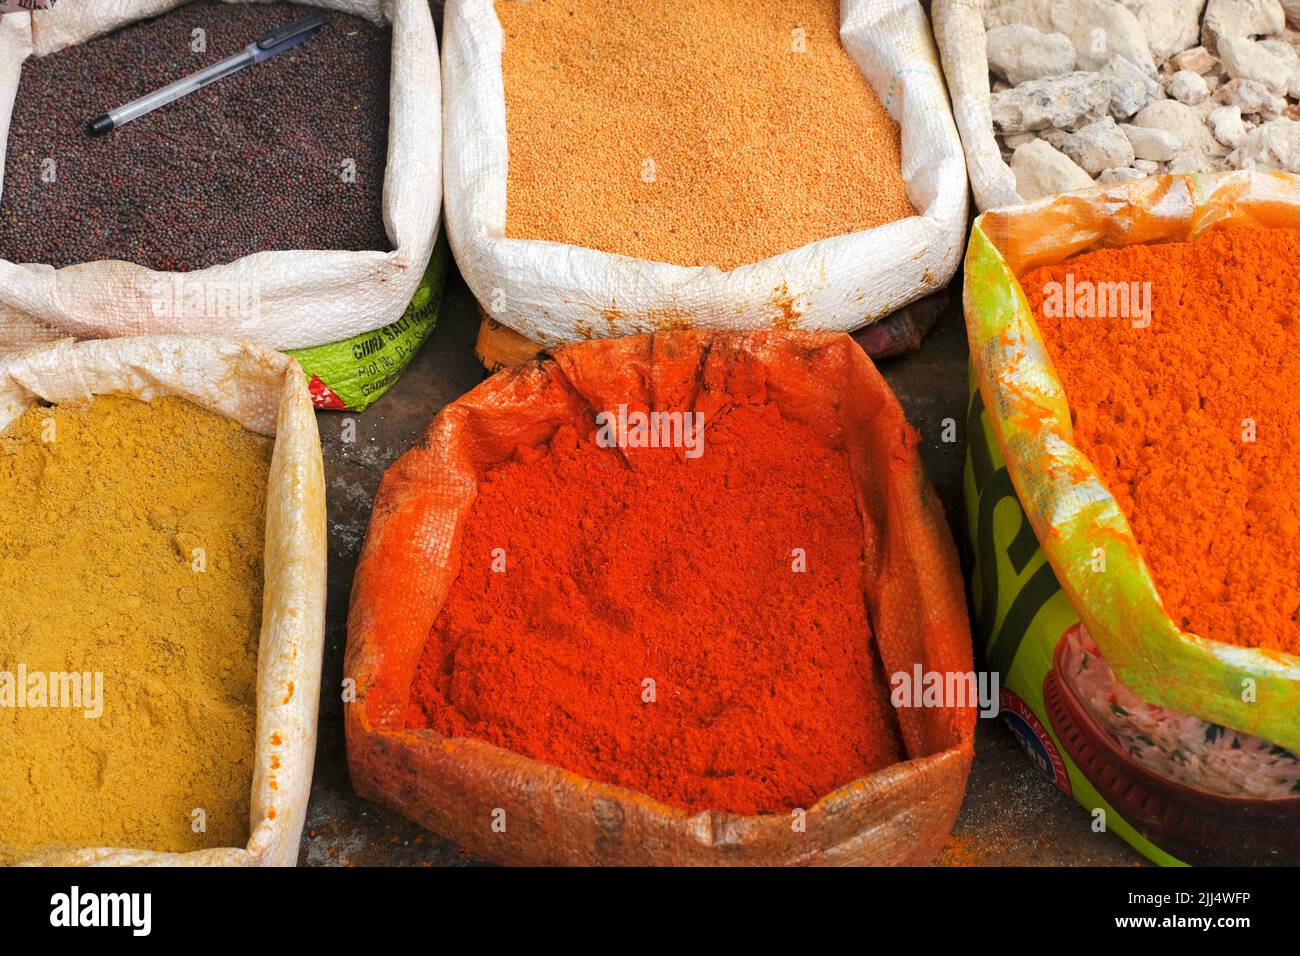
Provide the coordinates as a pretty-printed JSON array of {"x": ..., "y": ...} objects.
[
  {"x": 353, "y": 373},
  {"x": 1021, "y": 613}
]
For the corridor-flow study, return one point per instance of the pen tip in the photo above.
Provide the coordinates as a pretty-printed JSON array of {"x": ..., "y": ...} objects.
[{"x": 100, "y": 125}]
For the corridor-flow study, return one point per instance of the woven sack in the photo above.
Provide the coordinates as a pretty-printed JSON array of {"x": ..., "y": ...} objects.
[
  {"x": 266, "y": 393},
  {"x": 901, "y": 814},
  {"x": 554, "y": 293},
  {"x": 1063, "y": 496},
  {"x": 303, "y": 297}
]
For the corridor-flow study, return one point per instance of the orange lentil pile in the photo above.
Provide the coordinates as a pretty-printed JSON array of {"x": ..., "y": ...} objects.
[
  {"x": 693, "y": 132},
  {"x": 1161, "y": 412}
]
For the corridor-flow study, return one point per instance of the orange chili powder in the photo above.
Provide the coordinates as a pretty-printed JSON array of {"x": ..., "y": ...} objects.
[
  {"x": 1161, "y": 411},
  {"x": 767, "y": 688}
]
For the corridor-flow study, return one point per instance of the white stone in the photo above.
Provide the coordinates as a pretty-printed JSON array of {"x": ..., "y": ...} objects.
[
  {"x": 1253, "y": 98},
  {"x": 1041, "y": 170},
  {"x": 1202, "y": 138},
  {"x": 1240, "y": 18},
  {"x": 1168, "y": 114},
  {"x": 1098, "y": 146},
  {"x": 1099, "y": 29},
  {"x": 1130, "y": 88},
  {"x": 1064, "y": 102},
  {"x": 1055, "y": 136},
  {"x": 1157, "y": 144},
  {"x": 1169, "y": 25},
  {"x": 1018, "y": 139},
  {"x": 1227, "y": 125},
  {"x": 1244, "y": 59},
  {"x": 1019, "y": 53},
  {"x": 1284, "y": 50},
  {"x": 1275, "y": 145},
  {"x": 1197, "y": 59},
  {"x": 1146, "y": 166},
  {"x": 1120, "y": 174},
  {"x": 1189, "y": 161},
  {"x": 1188, "y": 87}
]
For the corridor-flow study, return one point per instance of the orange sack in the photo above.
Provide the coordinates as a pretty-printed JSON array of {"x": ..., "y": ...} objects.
[{"x": 424, "y": 629}]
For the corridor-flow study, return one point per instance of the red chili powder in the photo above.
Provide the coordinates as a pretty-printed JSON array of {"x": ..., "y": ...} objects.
[
  {"x": 767, "y": 688},
  {"x": 1194, "y": 422}
]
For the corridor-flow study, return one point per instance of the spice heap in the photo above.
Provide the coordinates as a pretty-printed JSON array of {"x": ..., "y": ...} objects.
[
  {"x": 1193, "y": 421},
  {"x": 257, "y": 161},
  {"x": 766, "y": 690},
  {"x": 130, "y": 547},
  {"x": 695, "y": 132},
  {"x": 1174, "y": 88}
]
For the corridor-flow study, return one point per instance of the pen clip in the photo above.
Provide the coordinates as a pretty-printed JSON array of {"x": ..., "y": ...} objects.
[{"x": 291, "y": 33}]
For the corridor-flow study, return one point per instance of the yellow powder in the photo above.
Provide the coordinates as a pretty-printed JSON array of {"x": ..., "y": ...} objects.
[
  {"x": 696, "y": 132},
  {"x": 106, "y": 512}
]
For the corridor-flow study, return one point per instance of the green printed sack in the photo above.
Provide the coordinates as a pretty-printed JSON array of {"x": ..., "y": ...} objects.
[
  {"x": 354, "y": 372},
  {"x": 1185, "y": 747}
]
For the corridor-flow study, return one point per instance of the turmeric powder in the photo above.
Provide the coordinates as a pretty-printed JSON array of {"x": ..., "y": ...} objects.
[
  {"x": 1193, "y": 419},
  {"x": 131, "y": 564}
]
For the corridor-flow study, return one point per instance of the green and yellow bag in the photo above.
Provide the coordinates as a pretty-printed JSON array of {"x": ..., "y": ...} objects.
[
  {"x": 1185, "y": 747},
  {"x": 353, "y": 373}
]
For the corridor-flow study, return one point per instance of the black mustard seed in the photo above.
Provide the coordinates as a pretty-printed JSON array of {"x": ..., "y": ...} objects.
[{"x": 287, "y": 154}]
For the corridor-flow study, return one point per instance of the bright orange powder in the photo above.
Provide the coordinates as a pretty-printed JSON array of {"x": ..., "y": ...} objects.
[
  {"x": 767, "y": 686},
  {"x": 1161, "y": 412}
]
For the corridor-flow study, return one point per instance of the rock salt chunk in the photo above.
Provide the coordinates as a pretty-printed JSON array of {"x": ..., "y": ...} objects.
[
  {"x": 1064, "y": 102},
  {"x": 1188, "y": 87},
  {"x": 1018, "y": 53},
  {"x": 1274, "y": 145},
  {"x": 1098, "y": 146},
  {"x": 1041, "y": 170},
  {"x": 1227, "y": 125},
  {"x": 1155, "y": 144},
  {"x": 1130, "y": 88},
  {"x": 1244, "y": 59},
  {"x": 1099, "y": 29}
]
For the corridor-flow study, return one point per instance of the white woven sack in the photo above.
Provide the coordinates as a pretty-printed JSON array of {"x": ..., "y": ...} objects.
[
  {"x": 19, "y": 6},
  {"x": 302, "y": 297},
  {"x": 554, "y": 292},
  {"x": 959, "y": 31},
  {"x": 266, "y": 393}
]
